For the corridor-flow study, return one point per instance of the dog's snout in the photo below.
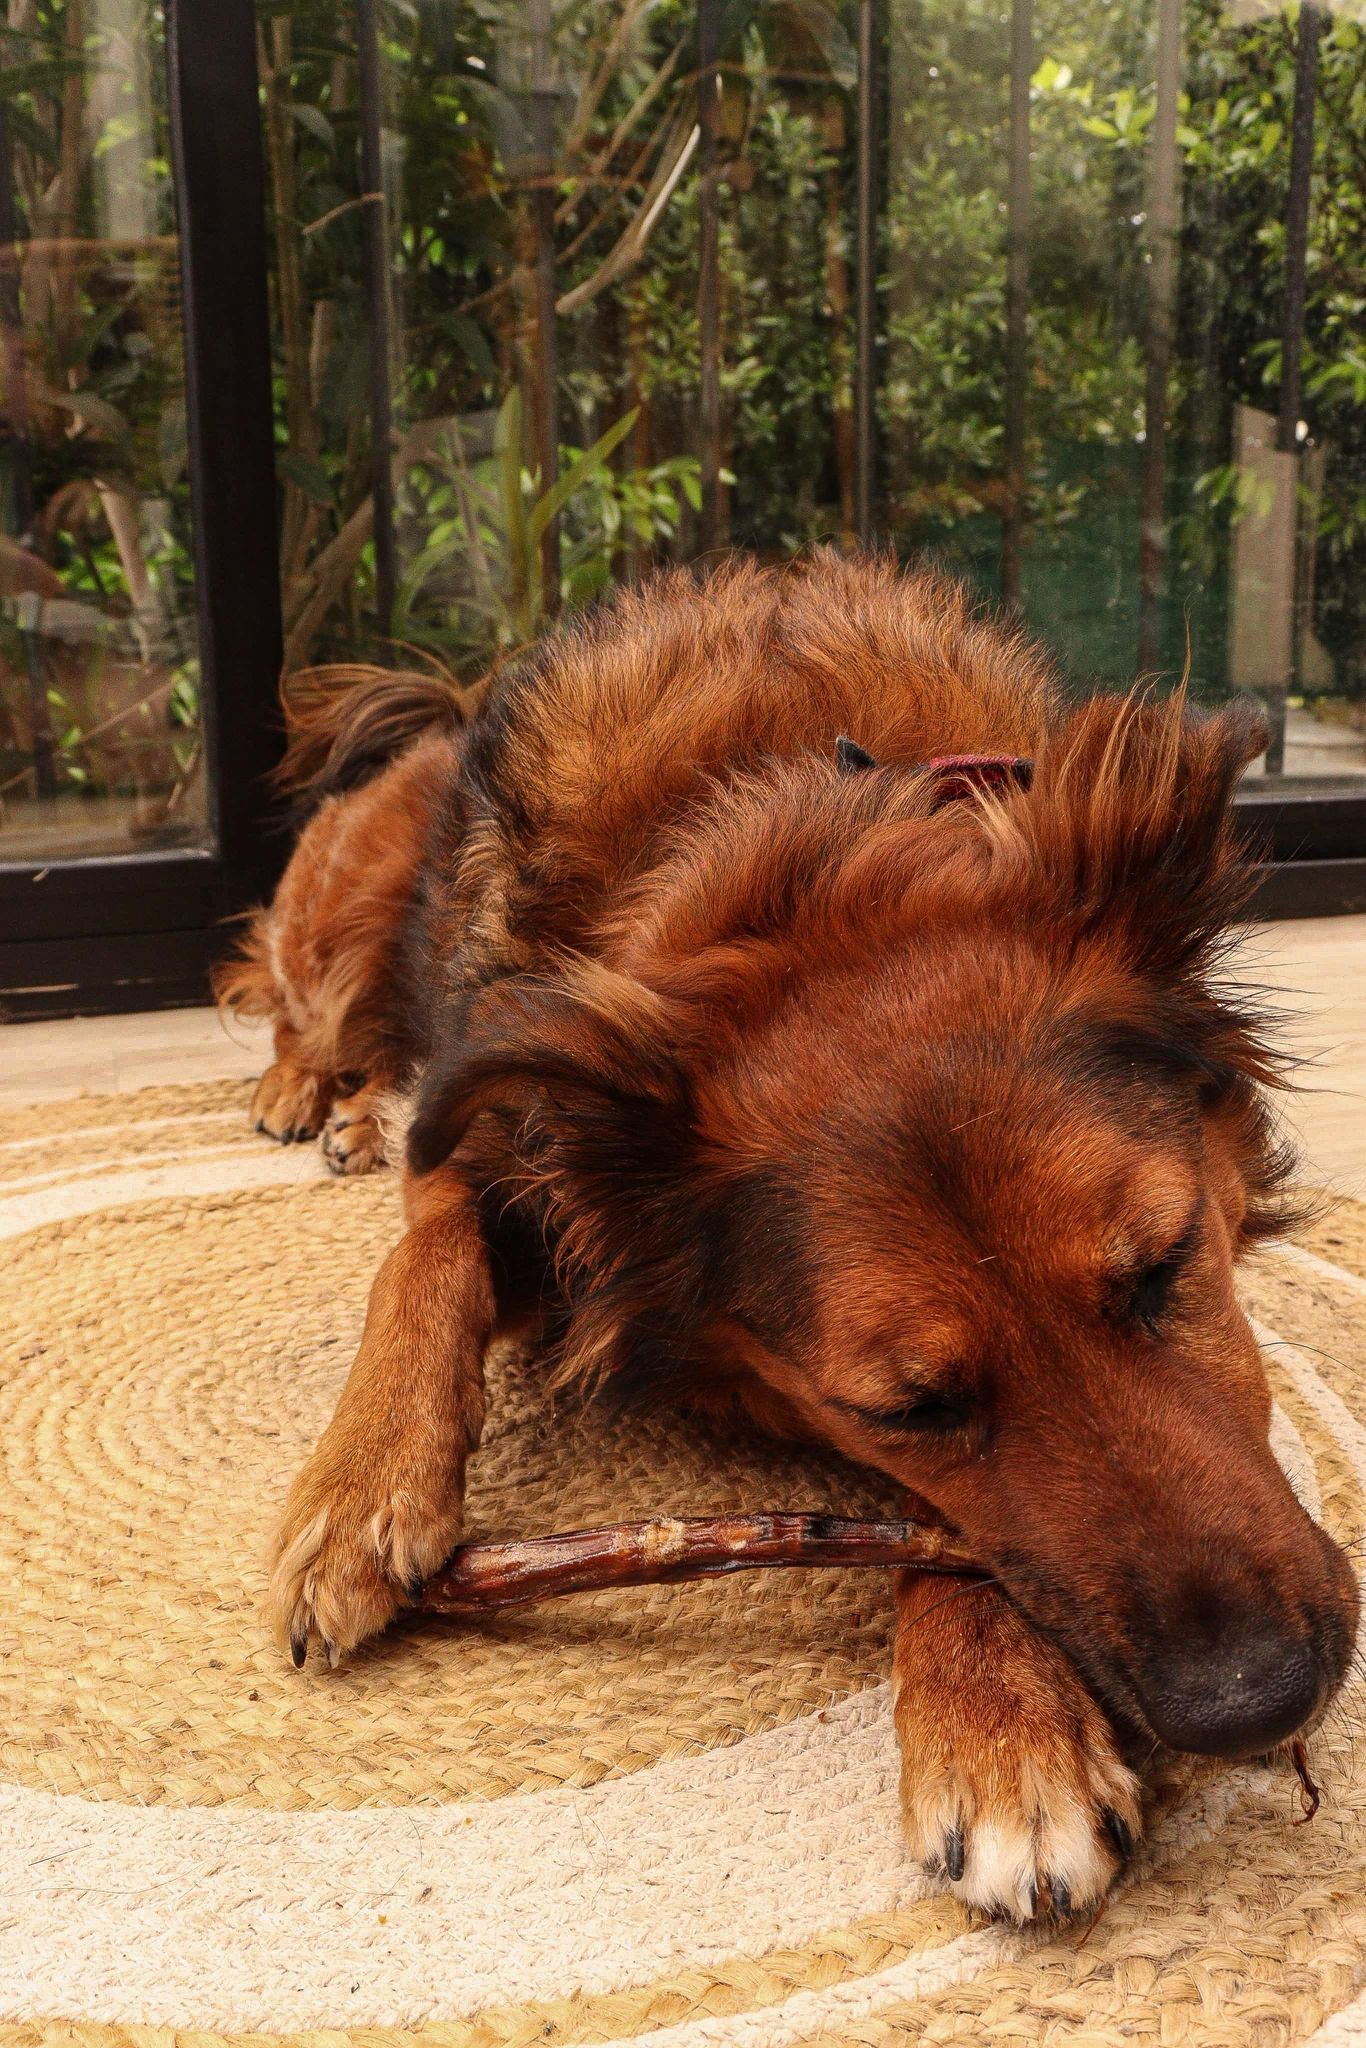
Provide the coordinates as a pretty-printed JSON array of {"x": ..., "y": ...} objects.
[{"x": 1234, "y": 1685}]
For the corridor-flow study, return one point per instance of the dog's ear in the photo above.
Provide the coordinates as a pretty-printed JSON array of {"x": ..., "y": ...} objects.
[
  {"x": 1131, "y": 832},
  {"x": 593, "y": 1061},
  {"x": 588, "y": 1039}
]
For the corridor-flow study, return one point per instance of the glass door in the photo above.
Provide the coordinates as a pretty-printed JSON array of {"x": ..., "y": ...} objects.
[
  {"x": 139, "y": 639},
  {"x": 1066, "y": 295},
  {"x": 101, "y": 739}
]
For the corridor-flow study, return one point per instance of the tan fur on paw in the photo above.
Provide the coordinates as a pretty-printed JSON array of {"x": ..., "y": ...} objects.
[
  {"x": 349, "y": 1552},
  {"x": 1012, "y": 1783},
  {"x": 289, "y": 1103},
  {"x": 351, "y": 1139}
]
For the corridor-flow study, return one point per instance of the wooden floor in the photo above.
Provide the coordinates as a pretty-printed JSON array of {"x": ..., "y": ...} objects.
[{"x": 1315, "y": 969}]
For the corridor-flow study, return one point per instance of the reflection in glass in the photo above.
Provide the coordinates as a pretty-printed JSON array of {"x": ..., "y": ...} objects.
[
  {"x": 1121, "y": 262},
  {"x": 99, "y": 711}
]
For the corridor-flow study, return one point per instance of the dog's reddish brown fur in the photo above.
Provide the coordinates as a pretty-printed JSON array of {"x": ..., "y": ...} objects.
[{"x": 922, "y": 1131}]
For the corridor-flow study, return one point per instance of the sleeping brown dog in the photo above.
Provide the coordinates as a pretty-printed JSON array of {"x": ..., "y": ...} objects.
[{"x": 767, "y": 1073}]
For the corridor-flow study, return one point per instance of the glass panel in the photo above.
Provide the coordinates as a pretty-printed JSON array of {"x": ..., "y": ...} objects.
[
  {"x": 579, "y": 245},
  {"x": 1161, "y": 511},
  {"x": 99, "y": 708},
  {"x": 596, "y": 261}
]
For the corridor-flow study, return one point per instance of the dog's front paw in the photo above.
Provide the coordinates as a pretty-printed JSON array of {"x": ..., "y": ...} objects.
[
  {"x": 1012, "y": 1783},
  {"x": 289, "y": 1103},
  {"x": 352, "y": 1141},
  {"x": 350, "y": 1551}
]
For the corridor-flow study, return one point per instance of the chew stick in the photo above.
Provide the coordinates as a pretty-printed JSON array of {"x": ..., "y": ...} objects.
[{"x": 482, "y": 1576}]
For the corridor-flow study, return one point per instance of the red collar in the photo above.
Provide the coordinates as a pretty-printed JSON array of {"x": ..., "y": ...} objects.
[
  {"x": 955, "y": 775},
  {"x": 959, "y": 775}
]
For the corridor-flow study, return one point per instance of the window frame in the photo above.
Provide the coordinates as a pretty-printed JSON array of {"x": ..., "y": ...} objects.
[{"x": 141, "y": 930}]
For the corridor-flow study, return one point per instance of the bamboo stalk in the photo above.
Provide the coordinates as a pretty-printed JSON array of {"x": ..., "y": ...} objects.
[
  {"x": 1017, "y": 300},
  {"x": 1292, "y": 336},
  {"x": 666, "y": 1550},
  {"x": 379, "y": 315},
  {"x": 870, "y": 45},
  {"x": 710, "y": 534},
  {"x": 1163, "y": 228}
]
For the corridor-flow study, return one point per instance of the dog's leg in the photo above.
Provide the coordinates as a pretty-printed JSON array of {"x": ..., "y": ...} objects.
[
  {"x": 1011, "y": 1778},
  {"x": 378, "y": 1505}
]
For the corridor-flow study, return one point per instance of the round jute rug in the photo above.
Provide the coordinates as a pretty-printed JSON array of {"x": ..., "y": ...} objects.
[{"x": 665, "y": 1817}]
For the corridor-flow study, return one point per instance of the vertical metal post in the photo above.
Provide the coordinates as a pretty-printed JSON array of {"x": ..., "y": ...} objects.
[
  {"x": 1017, "y": 298},
  {"x": 1163, "y": 179},
  {"x": 546, "y": 424},
  {"x": 21, "y": 460},
  {"x": 1297, "y": 223},
  {"x": 379, "y": 310},
  {"x": 709, "y": 270},
  {"x": 865, "y": 274},
  {"x": 221, "y": 218},
  {"x": 1292, "y": 325},
  {"x": 527, "y": 75}
]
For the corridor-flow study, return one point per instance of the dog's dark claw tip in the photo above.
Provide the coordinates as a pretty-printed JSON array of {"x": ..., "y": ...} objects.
[
  {"x": 413, "y": 1587},
  {"x": 1062, "y": 1897},
  {"x": 298, "y": 1650},
  {"x": 1120, "y": 1833},
  {"x": 953, "y": 1853},
  {"x": 1033, "y": 1901},
  {"x": 287, "y": 1135}
]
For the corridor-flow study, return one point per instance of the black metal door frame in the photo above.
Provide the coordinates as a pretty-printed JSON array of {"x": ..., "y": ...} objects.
[{"x": 139, "y": 931}]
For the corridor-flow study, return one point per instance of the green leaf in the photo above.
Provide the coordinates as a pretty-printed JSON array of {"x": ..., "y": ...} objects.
[
  {"x": 507, "y": 459},
  {"x": 314, "y": 122},
  {"x": 173, "y": 448},
  {"x": 552, "y": 502},
  {"x": 306, "y": 475},
  {"x": 1052, "y": 76},
  {"x": 92, "y": 411},
  {"x": 470, "y": 337}
]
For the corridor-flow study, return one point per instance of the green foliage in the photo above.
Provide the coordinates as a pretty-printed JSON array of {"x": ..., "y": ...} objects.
[
  {"x": 478, "y": 581},
  {"x": 490, "y": 104}
]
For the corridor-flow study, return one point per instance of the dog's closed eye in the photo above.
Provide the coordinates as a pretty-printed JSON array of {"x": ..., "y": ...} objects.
[
  {"x": 918, "y": 1415},
  {"x": 1145, "y": 1296}
]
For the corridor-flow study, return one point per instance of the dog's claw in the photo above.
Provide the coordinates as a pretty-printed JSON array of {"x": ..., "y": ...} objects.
[
  {"x": 1061, "y": 1895},
  {"x": 954, "y": 1853},
  {"x": 298, "y": 1650},
  {"x": 413, "y": 1587},
  {"x": 1120, "y": 1833},
  {"x": 333, "y": 1655}
]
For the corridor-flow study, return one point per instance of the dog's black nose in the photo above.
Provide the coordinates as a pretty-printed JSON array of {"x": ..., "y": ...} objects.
[{"x": 1231, "y": 1692}]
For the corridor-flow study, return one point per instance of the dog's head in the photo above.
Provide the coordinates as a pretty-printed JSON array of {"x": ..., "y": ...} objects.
[{"x": 934, "y": 1128}]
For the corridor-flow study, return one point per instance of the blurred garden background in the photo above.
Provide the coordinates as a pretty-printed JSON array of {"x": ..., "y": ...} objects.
[{"x": 563, "y": 289}]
